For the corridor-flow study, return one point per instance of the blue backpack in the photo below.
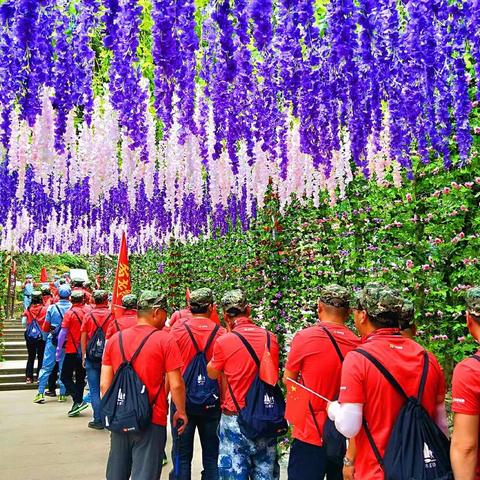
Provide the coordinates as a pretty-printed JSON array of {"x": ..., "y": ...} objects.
[
  {"x": 56, "y": 330},
  {"x": 96, "y": 344},
  {"x": 125, "y": 406},
  {"x": 264, "y": 413},
  {"x": 417, "y": 449},
  {"x": 203, "y": 394},
  {"x": 33, "y": 331}
]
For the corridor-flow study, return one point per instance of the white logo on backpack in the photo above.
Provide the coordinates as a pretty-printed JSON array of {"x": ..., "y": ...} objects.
[
  {"x": 201, "y": 379},
  {"x": 268, "y": 401},
  {"x": 120, "y": 397},
  {"x": 428, "y": 457}
]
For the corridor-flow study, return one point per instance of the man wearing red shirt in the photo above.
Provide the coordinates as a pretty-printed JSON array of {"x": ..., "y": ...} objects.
[
  {"x": 140, "y": 455},
  {"x": 241, "y": 458},
  {"x": 201, "y": 327},
  {"x": 364, "y": 391},
  {"x": 464, "y": 452},
  {"x": 35, "y": 347},
  {"x": 99, "y": 316},
  {"x": 180, "y": 316},
  {"x": 129, "y": 316},
  {"x": 70, "y": 338},
  {"x": 314, "y": 357}
]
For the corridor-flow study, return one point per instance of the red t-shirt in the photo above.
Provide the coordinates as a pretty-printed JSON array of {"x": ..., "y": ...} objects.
[
  {"x": 73, "y": 320},
  {"x": 313, "y": 355},
  {"x": 466, "y": 392},
  {"x": 100, "y": 313},
  {"x": 202, "y": 328},
  {"x": 37, "y": 312},
  {"x": 127, "y": 320},
  {"x": 158, "y": 356},
  {"x": 232, "y": 358},
  {"x": 180, "y": 315},
  {"x": 363, "y": 383}
]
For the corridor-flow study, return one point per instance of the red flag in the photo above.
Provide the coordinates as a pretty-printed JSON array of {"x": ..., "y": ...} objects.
[
  {"x": 43, "y": 275},
  {"x": 268, "y": 371},
  {"x": 187, "y": 296},
  {"x": 297, "y": 404},
  {"x": 214, "y": 315},
  {"x": 122, "y": 285}
]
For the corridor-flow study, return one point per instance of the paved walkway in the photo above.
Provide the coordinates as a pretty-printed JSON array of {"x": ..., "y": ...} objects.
[{"x": 39, "y": 442}]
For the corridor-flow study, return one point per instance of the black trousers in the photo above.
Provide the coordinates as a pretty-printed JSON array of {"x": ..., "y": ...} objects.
[
  {"x": 52, "y": 379},
  {"x": 310, "y": 462},
  {"x": 137, "y": 454},
  {"x": 73, "y": 365},
  {"x": 36, "y": 349}
]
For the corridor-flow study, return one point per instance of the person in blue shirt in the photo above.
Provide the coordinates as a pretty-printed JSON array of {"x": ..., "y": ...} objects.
[
  {"x": 52, "y": 325},
  {"x": 27, "y": 291}
]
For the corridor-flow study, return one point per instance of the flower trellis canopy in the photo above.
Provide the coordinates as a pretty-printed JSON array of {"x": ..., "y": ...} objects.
[{"x": 171, "y": 118}]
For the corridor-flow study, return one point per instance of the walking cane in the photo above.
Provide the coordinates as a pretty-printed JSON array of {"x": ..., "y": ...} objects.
[{"x": 176, "y": 461}]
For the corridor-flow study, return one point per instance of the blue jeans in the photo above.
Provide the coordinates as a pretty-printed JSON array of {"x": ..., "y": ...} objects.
[
  {"x": 243, "y": 459},
  {"x": 207, "y": 430},
  {"x": 93, "y": 378},
  {"x": 48, "y": 365},
  {"x": 310, "y": 461}
]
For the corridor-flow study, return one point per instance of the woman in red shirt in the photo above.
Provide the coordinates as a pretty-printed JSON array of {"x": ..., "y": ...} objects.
[{"x": 33, "y": 319}]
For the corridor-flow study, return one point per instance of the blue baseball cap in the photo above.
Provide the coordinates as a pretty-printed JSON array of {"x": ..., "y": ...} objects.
[{"x": 64, "y": 291}]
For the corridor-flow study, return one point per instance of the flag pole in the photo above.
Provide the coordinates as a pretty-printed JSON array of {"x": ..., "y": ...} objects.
[{"x": 310, "y": 391}]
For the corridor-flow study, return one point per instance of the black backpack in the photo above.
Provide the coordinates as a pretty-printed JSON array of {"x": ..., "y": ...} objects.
[
  {"x": 203, "y": 394},
  {"x": 264, "y": 413},
  {"x": 334, "y": 442},
  {"x": 56, "y": 331},
  {"x": 33, "y": 332},
  {"x": 417, "y": 449},
  {"x": 96, "y": 344},
  {"x": 125, "y": 406}
]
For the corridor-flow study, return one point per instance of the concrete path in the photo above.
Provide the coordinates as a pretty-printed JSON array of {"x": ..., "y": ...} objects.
[{"x": 39, "y": 442}]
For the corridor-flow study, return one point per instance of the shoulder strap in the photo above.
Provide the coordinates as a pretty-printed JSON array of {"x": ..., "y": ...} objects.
[
  {"x": 192, "y": 338},
  {"x": 211, "y": 338},
  {"x": 388, "y": 376},
  {"x": 476, "y": 357},
  {"x": 237, "y": 406},
  {"x": 138, "y": 350},
  {"x": 268, "y": 339},
  {"x": 423, "y": 379},
  {"x": 117, "y": 325},
  {"x": 334, "y": 343},
  {"x": 106, "y": 320},
  {"x": 372, "y": 443},
  {"x": 312, "y": 412},
  {"x": 94, "y": 319},
  {"x": 59, "y": 312},
  {"x": 78, "y": 318},
  {"x": 250, "y": 349}
]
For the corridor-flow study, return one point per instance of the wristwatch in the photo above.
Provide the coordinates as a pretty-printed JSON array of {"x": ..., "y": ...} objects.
[{"x": 347, "y": 462}]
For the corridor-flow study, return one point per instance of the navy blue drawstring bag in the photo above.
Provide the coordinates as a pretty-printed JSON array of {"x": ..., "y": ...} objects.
[
  {"x": 264, "y": 413},
  {"x": 125, "y": 406},
  {"x": 33, "y": 332},
  {"x": 202, "y": 393},
  {"x": 96, "y": 344},
  {"x": 417, "y": 449}
]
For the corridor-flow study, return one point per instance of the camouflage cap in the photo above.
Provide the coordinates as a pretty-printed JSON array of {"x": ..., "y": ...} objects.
[
  {"x": 64, "y": 291},
  {"x": 56, "y": 277},
  {"x": 407, "y": 314},
  {"x": 76, "y": 282},
  {"x": 202, "y": 297},
  {"x": 46, "y": 290},
  {"x": 87, "y": 283},
  {"x": 378, "y": 299},
  {"x": 29, "y": 276},
  {"x": 473, "y": 301},
  {"x": 150, "y": 299},
  {"x": 130, "y": 301},
  {"x": 234, "y": 299},
  {"x": 335, "y": 296},
  {"x": 100, "y": 296},
  {"x": 62, "y": 281},
  {"x": 77, "y": 296}
]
